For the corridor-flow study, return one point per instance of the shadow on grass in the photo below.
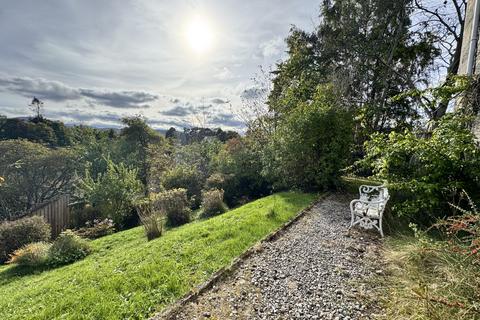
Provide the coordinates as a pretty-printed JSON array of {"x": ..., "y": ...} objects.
[{"x": 11, "y": 273}]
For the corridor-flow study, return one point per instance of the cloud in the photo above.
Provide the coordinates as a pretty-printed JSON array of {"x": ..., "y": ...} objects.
[
  {"x": 60, "y": 92},
  {"x": 40, "y": 88},
  {"x": 178, "y": 111},
  {"x": 120, "y": 99},
  {"x": 226, "y": 120},
  {"x": 219, "y": 101},
  {"x": 272, "y": 48},
  {"x": 224, "y": 74},
  {"x": 251, "y": 93}
]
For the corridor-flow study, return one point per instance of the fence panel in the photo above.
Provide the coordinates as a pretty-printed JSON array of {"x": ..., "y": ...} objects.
[{"x": 56, "y": 213}]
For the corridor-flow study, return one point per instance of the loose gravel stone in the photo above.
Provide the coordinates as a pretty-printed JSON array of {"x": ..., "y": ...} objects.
[{"x": 314, "y": 270}]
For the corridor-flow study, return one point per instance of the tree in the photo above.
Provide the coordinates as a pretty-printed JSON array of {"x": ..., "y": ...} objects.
[
  {"x": 367, "y": 51},
  {"x": 311, "y": 145},
  {"x": 37, "y": 107},
  {"x": 138, "y": 136},
  {"x": 33, "y": 174},
  {"x": 444, "y": 21}
]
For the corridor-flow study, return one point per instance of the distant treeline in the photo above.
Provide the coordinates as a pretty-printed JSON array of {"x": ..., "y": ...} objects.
[{"x": 57, "y": 134}]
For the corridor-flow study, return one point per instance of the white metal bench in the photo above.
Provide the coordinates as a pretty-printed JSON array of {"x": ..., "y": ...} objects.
[{"x": 367, "y": 212}]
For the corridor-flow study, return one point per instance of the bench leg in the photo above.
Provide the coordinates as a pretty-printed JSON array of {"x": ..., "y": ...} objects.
[{"x": 380, "y": 226}]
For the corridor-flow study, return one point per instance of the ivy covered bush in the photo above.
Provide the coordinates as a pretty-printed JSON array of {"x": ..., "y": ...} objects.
[{"x": 427, "y": 172}]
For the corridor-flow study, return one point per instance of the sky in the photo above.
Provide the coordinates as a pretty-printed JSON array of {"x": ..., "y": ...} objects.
[{"x": 178, "y": 63}]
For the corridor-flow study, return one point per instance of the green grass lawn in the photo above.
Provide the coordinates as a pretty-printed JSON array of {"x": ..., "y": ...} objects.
[{"x": 128, "y": 277}]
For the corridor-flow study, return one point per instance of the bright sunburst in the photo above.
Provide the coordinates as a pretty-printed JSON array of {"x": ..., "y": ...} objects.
[{"x": 199, "y": 35}]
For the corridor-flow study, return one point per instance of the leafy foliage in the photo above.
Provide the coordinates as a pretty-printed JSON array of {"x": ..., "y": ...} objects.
[
  {"x": 212, "y": 203},
  {"x": 16, "y": 234},
  {"x": 33, "y": 174},
  {"x": 185, "y": 177},
  {"x": 238, "y": 166},
  {"x": 67, "y": 248},
  {"x": 175, "y": 204},
  {"x": 112, "y": 193},
  {"x": 428, "y": 171},
  {"x": 312, "y": 144},
  {"x": 38, "y": 129}
]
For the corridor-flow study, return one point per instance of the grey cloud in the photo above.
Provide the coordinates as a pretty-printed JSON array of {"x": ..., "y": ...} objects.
[
  {"x": 227, "y": 120},
  {"x": 59, "y": 92},
  {"x": 120, "y": 99},
  {"x": 273, "y": 47},
  {"x": 82, "y": 116},
  {"x": 251, "y": 93},
  {"x": 219, "y": 101},
  {"x": 41, "y": 88},
  {"x": 178, "y": 111}
]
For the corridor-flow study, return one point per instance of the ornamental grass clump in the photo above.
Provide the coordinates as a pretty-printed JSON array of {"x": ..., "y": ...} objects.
[
  {"x": 151, "y": 218},
  {"x": 31, "y": 255}
]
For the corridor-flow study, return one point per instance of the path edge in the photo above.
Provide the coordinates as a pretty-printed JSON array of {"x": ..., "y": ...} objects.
[{"x": 224, "y": 272}]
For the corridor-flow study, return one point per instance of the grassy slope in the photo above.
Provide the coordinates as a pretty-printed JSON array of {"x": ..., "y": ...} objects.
[{"x": 128, "y": 277}]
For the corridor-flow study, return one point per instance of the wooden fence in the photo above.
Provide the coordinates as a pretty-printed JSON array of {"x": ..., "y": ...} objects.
[{"x": 55, "y": 212}]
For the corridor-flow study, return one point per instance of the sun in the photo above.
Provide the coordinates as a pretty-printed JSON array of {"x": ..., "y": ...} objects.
[{"x": 199, "y": 35}]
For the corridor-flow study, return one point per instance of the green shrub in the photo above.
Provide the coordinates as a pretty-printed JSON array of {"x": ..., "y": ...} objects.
[
  {"x": 239, "y": 164},
  {"x": 427, "y": 172},
  {"x": 83, "y": 214},
  {"x": 185, "y": 177},
  {"x": 96, "y": 229},
  {"x": 215, "y": 181},
  {"x": 212, "y": 203},
  {"x": 152, "y": 219},
  {"x": 32, "y": 255},
  {"x": 174, "y": 203},
  {"x": 67, "y": 248},
  {"x": 113, "y": 192},
  {"x": 16, "y": 234},
  {"x": 311, "y": 145}
]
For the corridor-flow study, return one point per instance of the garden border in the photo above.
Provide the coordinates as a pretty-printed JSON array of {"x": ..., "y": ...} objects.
[{"x": 224, "y": 272}]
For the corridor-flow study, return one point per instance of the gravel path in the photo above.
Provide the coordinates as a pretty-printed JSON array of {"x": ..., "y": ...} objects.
[{"x": 315, "y": 270}]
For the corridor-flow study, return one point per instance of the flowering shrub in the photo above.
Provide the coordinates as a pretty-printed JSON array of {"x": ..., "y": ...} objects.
[{"x": 96, "y": 229}]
